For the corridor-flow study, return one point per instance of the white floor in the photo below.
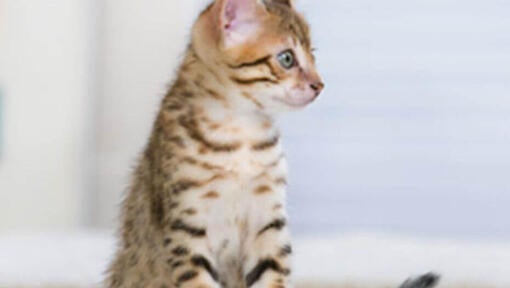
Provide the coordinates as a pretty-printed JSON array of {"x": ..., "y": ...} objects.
[{"x": 79, "y": 260}]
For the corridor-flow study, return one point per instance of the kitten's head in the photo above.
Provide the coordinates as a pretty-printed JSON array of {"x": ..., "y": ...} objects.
[{"x": 263, "y": 49}]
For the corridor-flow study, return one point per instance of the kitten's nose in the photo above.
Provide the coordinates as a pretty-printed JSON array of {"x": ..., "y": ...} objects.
[{"x": 317, "y": 87}]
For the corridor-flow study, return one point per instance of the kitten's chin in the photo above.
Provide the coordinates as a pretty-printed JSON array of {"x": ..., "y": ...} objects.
[{"x": 295, "y": 103}]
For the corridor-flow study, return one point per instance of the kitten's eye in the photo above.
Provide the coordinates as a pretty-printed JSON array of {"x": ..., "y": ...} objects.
[{"x": 287, "y": 59}]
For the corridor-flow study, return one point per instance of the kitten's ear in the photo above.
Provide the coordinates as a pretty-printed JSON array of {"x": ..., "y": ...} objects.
[{"x": 239, "y": 20}]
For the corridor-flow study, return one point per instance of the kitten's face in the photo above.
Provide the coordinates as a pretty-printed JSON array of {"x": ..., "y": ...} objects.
[{"x": 263, "y": 48}]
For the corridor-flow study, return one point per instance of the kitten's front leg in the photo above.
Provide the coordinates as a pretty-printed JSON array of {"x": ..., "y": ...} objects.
[
  {"x": 190, "y": 263},
  {"x": 268, "y": 258}
]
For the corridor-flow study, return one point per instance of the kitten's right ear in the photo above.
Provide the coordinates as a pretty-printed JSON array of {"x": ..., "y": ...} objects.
[{"x": 238, "y": 20}]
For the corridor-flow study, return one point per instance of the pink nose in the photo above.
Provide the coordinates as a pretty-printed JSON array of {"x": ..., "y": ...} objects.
[{"x": 317, "y": 87}]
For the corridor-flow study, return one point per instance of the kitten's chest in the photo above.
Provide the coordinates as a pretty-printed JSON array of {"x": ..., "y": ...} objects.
[
  {"x": 255, "y": 147},
  {"x": 247, "y": 203},
  {"x": 247, "y": 166}
]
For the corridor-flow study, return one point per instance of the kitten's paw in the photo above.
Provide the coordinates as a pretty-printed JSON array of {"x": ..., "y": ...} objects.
[{"x": 429, "y": 280}]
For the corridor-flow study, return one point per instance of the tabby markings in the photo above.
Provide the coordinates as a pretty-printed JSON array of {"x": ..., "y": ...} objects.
[
  {"x": 184, "y": 185},
  {"x": 175, "y": 264},
  {"x": 253, "y": 100},
  {"x": 187, "y": 184},
  {"x": 264, "y": 60},
  {"x": 263, "y": 190},
  {"x": 214, "y": 94},
  {"x": 277, "y": 224},
  {"x": 179, "y": 225},
  {"x": 267, "y": 144},
  {"x": 186, "y": 276},
  {"x": 191, "y": 126},
  {"x": 167, "y": 241},
  {"x": 262, "y": 267},
  {"x": 201, "y": 164},
  {"x": 275, "y": 162},
  {"x": 173, "y": 106},
  {"x": 202, "y": 262},
  {"x": 190, "y": 211},
  {"x": 180, "y": 251},
  {"x": 251, "y": 81},
  {"x": 285, "y": 251},
  {"x": 176, "y": 140},
  {"x": 211, "y": 195}
]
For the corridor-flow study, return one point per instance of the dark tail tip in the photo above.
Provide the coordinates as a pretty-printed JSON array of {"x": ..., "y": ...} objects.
[{"x": 429, "y": 280}]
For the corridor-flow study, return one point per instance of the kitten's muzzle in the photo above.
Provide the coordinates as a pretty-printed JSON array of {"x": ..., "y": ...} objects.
[{"x": 317, "y": 87}]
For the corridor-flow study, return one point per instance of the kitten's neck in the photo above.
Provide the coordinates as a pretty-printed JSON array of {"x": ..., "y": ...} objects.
[{"x": 206, "y": 89}]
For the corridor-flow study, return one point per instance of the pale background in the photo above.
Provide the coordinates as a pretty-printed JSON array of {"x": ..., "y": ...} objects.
[{"x": 411, "y": 135}]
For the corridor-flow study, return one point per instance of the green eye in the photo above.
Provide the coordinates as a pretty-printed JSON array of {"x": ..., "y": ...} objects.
[{"x": 287, "y": 59}]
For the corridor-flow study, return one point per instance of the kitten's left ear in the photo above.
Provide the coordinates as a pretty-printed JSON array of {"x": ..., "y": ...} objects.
[{"x": 239, "y": 20}]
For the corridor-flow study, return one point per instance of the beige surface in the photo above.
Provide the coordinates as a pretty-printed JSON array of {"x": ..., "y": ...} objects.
[{"x": 304, "y": 285}]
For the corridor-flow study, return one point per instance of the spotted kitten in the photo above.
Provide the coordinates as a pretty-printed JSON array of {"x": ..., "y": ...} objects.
[{"x": 206, "y": 207}]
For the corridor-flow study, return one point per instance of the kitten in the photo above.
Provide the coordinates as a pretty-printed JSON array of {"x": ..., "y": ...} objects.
[{"x": 206, "y": 207}]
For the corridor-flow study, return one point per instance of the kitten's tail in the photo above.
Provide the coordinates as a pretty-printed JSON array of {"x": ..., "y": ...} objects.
[{"x": 429, "y": 280}]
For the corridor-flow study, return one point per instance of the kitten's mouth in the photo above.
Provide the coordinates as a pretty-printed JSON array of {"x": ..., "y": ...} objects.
[{"x": 295, "y": 103}]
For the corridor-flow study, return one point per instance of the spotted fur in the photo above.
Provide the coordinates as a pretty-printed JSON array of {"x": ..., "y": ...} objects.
[{"x": 206, "y": 207}]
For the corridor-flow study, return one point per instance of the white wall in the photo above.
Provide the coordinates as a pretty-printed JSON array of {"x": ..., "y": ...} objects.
[
  {"x": 44, "y": 72},
  {"x": 412, "y": 132}
]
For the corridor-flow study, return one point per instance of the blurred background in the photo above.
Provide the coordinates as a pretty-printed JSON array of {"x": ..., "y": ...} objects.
[{"x": 411, "y": 136}]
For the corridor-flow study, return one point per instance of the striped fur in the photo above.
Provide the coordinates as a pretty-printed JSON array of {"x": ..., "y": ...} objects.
[{"x": 206, "y": 207}]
